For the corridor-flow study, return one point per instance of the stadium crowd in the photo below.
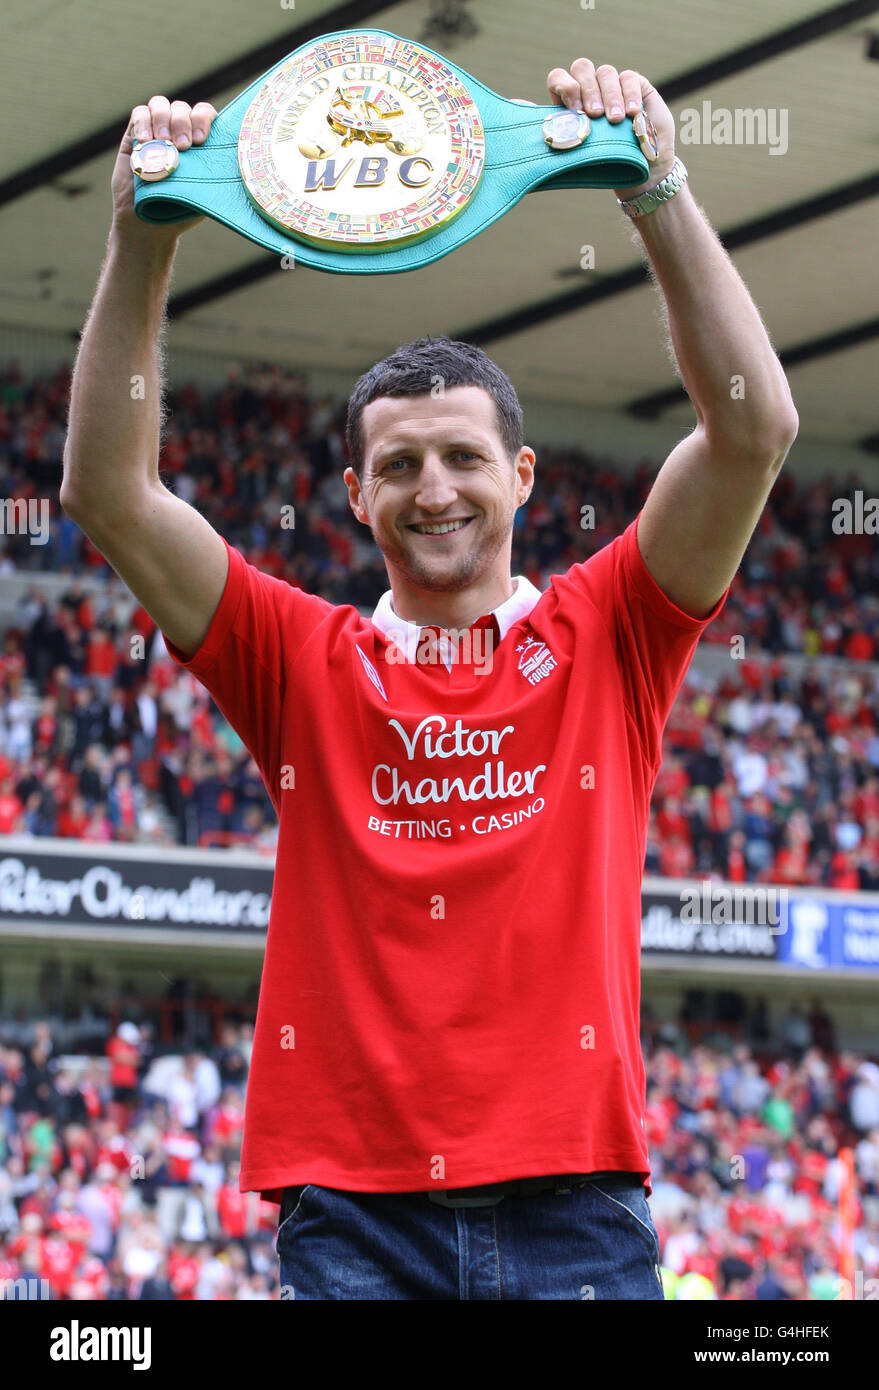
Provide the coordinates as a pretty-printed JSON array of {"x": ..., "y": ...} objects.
[
  {"x": 771, "y": 776},
  {"x": 771, "y": 770},
  {"x": 118, "y": 1173}
]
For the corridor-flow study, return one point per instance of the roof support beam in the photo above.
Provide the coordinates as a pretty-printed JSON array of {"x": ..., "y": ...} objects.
[
  {"x": 775, "y": 223},
  {"x": 650, "y": 406},
  {"x": 240, "y": 70}
]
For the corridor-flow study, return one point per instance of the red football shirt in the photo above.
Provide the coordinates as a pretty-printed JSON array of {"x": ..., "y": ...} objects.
[{"x": 451, "y": 988}]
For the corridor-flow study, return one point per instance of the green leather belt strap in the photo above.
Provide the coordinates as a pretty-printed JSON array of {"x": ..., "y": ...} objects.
[{"x": 517, "y": 160}]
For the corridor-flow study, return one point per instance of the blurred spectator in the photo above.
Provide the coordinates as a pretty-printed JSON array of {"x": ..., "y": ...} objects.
[{"x": 124, "y": 1058}]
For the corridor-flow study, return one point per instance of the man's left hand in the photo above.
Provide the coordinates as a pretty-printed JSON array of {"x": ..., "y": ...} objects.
[{"x": 619, "y": 96}]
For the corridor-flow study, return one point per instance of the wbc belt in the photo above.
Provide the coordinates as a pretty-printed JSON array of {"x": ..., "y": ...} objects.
[{"x": 364, "y": 152}]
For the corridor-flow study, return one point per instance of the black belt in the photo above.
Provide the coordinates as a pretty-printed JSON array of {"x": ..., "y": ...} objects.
[
  {"x": 489, "y": 1194},
  {"x": 486, "y": 1194}
]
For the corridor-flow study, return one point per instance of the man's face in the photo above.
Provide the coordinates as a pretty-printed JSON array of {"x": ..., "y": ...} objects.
[{"x": 429, "y": 462}]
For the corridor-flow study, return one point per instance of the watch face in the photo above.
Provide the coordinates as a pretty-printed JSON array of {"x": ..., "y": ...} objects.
[{"x": 361, "y": 141}]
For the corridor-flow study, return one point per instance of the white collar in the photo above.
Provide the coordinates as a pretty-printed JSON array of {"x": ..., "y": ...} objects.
[{"x": 405, "y": 634}]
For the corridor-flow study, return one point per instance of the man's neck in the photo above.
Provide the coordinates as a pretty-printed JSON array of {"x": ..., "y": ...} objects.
[{"x": 450, "y": 611}]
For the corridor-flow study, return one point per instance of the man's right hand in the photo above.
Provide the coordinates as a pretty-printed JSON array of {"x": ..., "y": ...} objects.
[{"x": 160, "y": 119}]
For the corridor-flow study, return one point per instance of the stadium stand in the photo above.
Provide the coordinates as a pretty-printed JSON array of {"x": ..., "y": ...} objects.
[
  {"x": 771, "y": 768},
  {"x": 118, "y": 1154},
  {"x": 118, "y": 1173}
]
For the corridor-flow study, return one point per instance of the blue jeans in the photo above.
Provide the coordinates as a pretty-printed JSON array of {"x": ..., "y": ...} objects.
[{"x": 589, "y": 1242}]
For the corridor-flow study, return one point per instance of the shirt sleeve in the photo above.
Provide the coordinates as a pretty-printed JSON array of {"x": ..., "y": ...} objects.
[
  {"x": 259, "y": 628},
  {"x": 653, "y": 640}
]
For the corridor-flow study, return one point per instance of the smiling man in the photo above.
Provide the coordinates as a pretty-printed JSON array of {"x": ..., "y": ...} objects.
[
  {"x": 439, "y": 478},
  {"x": 447, "y": 1095}
]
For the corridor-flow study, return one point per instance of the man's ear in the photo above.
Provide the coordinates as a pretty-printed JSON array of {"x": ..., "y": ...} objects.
[
  {"x": 525, "y": 461},
  {"x": 355, "y": 495}
]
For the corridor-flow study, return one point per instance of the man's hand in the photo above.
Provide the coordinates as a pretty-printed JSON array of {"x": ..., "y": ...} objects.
[
  {"x": 160, "y": 119},
  {"x": 617, "y": 95}
]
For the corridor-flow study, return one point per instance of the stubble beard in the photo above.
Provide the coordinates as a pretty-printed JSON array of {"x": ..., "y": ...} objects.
[{"x": 448, "y": 575}]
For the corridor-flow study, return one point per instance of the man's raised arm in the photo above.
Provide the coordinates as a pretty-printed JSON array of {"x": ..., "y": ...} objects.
[
  {"x": 168, "y": 555},
  {"x": 708, "y": 496}
]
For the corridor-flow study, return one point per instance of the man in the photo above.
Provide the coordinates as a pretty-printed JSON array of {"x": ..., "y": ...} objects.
[{"x": 447, "y": 1092}]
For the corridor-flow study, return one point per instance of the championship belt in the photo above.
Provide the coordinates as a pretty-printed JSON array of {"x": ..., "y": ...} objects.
[{"x": 362, "y": 151}]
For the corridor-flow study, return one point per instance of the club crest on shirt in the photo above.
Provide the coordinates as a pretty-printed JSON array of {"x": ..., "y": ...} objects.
[
  {"x": 535, "y": 660},
  {"x": 371, "y": 672}
]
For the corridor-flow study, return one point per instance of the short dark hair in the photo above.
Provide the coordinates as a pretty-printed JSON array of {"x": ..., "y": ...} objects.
[{"x": 413, "y": 370}]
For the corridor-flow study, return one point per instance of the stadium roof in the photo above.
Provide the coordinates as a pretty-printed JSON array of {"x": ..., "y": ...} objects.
[{"x": 801, "y": 224}]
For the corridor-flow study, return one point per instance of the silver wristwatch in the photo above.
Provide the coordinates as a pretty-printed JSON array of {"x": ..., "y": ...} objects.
[{"x": 650, "y": 201}]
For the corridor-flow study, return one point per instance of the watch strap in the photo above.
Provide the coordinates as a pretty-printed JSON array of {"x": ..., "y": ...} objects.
[{"x": 648, "y": 202}]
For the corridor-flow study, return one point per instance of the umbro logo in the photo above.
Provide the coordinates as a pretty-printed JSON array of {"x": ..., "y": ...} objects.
[{"x": 371, "y": 672}]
